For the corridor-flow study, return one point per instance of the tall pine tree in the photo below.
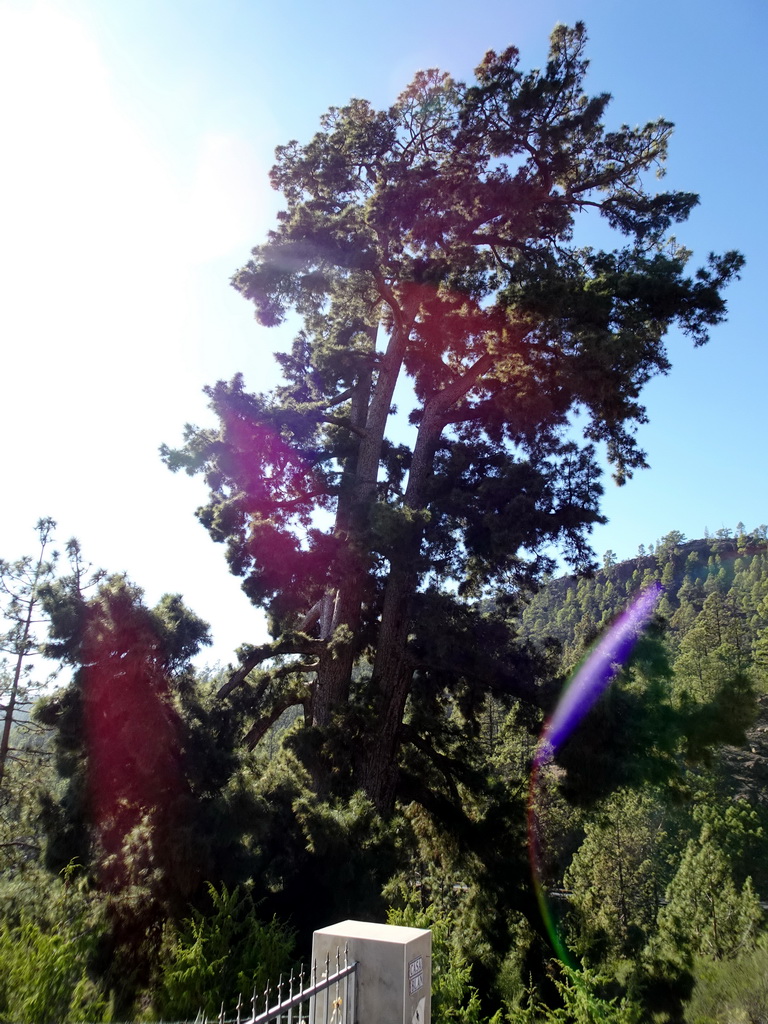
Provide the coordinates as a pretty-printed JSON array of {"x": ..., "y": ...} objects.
[{"x": 439, "y": 239}]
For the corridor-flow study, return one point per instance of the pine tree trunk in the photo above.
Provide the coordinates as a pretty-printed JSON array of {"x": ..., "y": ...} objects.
[
  {"x": 392, "y": 684},
  {"x": 331, "y": 688},
  {"x": 392, "y": 673}
]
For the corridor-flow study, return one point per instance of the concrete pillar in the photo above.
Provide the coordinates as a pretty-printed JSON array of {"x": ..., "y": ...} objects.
[{"x": 394, "y": 977}]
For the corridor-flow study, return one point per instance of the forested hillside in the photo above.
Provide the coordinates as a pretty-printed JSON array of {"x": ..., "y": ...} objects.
[
  {"x": 570, "y": 609},
  {"x": 653, "y": 821}
]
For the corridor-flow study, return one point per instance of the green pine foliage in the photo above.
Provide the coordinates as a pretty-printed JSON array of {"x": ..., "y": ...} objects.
[
  {"x": 45, "y": 975},
  {"x": 49, "y": 949},
  {"x": 705, "y": 912},
  {"x": 619, "y": 874},
  {"x": 455, "y": 1000},
  {"x": 583, "y": 998},
  {"x": 150, "y": 802},
  {"x": 652, "y": 830},
  {"x": 729, "y": 991},
  {"x": 212, "y": 958},
  {"x": 660, "y": 874}
]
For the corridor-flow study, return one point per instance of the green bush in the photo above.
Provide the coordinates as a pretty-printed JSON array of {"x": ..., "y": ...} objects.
[
  {"x": 44, "y": 976},
  {"x": 455, "y": 1000},
  {"x": 731, "y": 991},
  {"x": 214, "y": 957},
  {"x": 50, "y": 933},
  {"x": 584, "y": 1002}
]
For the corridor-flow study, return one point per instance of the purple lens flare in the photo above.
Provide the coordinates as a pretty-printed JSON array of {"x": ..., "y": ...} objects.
[{"x": 595, "y": 674}]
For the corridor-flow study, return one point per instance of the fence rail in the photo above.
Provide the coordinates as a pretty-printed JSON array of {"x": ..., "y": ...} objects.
[{"x": 305, "y": 999}]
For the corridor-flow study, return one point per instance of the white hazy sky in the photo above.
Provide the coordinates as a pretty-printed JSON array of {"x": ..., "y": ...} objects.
[{"x": 135, "y": 141}]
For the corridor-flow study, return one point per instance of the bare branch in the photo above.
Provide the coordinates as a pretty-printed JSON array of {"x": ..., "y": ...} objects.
[{"x": 20, "y": 843}]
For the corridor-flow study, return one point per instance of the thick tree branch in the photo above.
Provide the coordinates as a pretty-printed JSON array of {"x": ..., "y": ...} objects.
[
  {"x": 290, "y": 643},
  {"x": 312, "y": 616},
  {"x": 343, "y": 421},
  {"x": 391, "y": 300},
  {"x": 289, "y": 503},
  {"x": 448, "y": 766},
  {"x": 459, "y": 387},
  {"x": 259, "y": 729},
  {"x": 278, "y": 673},
  {"x": 343, "y": 397}
]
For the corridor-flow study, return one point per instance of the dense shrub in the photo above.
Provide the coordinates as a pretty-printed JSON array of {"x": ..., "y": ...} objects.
[{"x": 214, "y": 957}]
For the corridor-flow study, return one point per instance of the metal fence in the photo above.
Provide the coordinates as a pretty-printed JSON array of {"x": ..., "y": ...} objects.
[{"x": 302, "y": 998}]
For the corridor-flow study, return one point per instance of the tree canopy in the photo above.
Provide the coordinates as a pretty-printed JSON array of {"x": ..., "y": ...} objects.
[{"x": 447, "y": 241}]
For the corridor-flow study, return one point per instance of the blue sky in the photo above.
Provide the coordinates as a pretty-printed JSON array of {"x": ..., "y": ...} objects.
[{"x": 138, "y": 136}]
